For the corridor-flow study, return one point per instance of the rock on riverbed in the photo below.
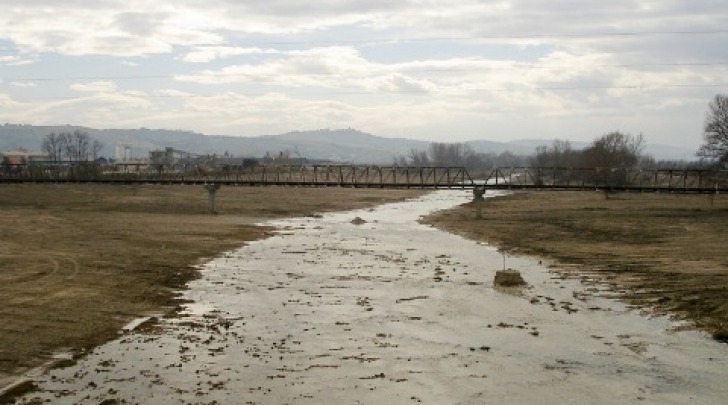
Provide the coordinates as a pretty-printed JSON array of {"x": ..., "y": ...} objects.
[{"x": 508, "y": 278}]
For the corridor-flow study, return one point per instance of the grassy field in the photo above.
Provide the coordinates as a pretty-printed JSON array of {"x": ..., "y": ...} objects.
[
  {"x": 662, "y": 252},
  {"x": 79, "y": 261}
]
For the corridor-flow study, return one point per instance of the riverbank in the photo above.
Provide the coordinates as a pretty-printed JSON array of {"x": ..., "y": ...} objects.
[
  {"x": 79, "y": 261},
  {"x": 664, "y": 253},
  {"x": 370, "y": 306}
]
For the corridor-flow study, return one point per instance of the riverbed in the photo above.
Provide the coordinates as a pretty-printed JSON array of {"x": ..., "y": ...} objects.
[{"x": 372, "y": 307}]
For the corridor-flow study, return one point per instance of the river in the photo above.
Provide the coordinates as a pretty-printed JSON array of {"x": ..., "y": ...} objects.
[{"x": 391, "y": 311}]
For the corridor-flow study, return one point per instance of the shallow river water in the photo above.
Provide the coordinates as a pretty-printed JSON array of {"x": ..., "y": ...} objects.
[{"x": 391, "y": 311}]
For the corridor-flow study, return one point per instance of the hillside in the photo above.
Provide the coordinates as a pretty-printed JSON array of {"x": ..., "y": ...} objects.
[
  {"x": 340, "y": 145},
  {"x": 346, "y": 145}
]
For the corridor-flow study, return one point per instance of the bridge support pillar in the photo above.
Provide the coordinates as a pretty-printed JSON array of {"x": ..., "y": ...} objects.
[
  {"x": 478, "y": 198},
  {"x": 211, "y": 190}
]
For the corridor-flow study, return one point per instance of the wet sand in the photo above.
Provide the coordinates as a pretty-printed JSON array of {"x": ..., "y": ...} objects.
[
  {"x": 78, "y": 261},
  {"x": 662, "y": 253},
  {"x": 387, "y": 310}
]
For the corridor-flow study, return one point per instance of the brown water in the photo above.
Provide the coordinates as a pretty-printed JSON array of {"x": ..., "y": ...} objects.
[{"x": 391, "y": 311}]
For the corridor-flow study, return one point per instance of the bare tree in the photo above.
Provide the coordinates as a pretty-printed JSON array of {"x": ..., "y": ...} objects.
[
  {"x": 612, "y": 155},
  {"x": 506, "y": 159},
  {"x": 76, "y": 146},
  {"x": 716, "y": 131},
  {"x": 480, "y": 161},
  {"x": 451, "y": 154},
  {"x": 419, "y": 158},
  {"x": 96, "y": 147},
  {"x": 614, "y": 150},
  {"x": 559, "y": 154},
  {"x": 54, "y": 146},
  {"x": 400, "y": 160},
  {"x": 455, "y": 154},
  {"x": 447, "y": 154}
]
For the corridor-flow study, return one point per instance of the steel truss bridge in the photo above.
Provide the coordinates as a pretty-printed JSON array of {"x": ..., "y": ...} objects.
[{"x": 364, "y": 176}]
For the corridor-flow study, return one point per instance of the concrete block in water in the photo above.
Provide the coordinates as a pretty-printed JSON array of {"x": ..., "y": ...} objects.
[{"x": 508, "y": 278}]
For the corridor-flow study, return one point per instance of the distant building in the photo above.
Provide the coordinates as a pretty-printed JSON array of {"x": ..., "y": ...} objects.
[
  {"x": 283, "y": 158},
  {"x": 22, "y": 156},
  {"x": 162, "y": 157},
  {"x": 123, "y": 152},
  {"x": 236, "y": 161}
]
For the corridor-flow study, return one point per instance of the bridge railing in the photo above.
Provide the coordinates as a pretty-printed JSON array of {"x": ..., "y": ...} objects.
[
  {"x": 539, "y": 178},
  {"x": 305, "y": 175},
  {"x": 616, "y": 179}
]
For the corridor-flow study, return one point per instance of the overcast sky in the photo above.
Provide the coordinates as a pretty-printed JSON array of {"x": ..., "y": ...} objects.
[{"x": 440, "y": 70}]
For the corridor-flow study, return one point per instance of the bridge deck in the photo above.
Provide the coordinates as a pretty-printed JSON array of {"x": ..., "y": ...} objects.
[{"x": 523, "y": 178}]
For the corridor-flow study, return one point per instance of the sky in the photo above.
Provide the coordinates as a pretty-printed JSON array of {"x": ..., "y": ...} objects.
[{"x": 435, "y": 70}]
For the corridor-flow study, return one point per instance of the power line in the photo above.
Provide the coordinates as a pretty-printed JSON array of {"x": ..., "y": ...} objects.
[
  {"x": 409, "y": 70},
  {"x": 468, "y": 38},
  {"x": 485, "y": 37},
  {"x": 611, "y": 34},
  {"x": 536, "y": 67},
  {"x": 404, "y": 92},
  {"x": 615, "y": 34},
  {"x": 52, "y": 79}
]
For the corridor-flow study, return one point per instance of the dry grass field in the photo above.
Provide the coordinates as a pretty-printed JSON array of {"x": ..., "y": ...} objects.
[
  {"x": 79, "y": 261},
  {"x": 662, "y": 252}
]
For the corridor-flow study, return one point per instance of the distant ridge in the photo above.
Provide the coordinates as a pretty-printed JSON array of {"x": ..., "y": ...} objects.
[{"x": 340, "y": 145}]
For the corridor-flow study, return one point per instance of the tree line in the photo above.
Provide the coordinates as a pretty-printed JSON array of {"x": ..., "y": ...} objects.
[
  {"x": 76, "y": 146},
  {"x": 458, "y": 155},
  {"x": 612, "y": 150},
  {"x": 618, "y": 150}
]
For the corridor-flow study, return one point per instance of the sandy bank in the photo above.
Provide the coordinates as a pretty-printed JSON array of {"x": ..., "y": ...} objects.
[
  {"x": 662, "y": 252},
  {"x": 79, "y": 261}
]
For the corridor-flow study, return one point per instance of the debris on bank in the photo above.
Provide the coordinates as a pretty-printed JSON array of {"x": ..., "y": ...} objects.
[
  {"x": 11, "y": 392},
  {"x": 508, "y": 278},
  {"x": 358, "y": 221}
]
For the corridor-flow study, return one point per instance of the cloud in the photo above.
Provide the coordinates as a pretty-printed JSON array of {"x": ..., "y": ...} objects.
[
  {"x": 402, "y": 84},
  {"x": 8, "y": 104},
  {"x": 231, "y": 66},
  {"x": 141, "y": 24},
  {"x": 107, "y": 28},
  {"x": 296, "y": 68},
  {"x": 336, "y": 71},
  {"x": 14, "y": 60},
  {"x": 94, "y": 87},
  {"x": 101, "y": 108},
  {"x": 24, "y": 84},
  {"x": 211, "y": 53},
  {"x": 133, "y": 27}
]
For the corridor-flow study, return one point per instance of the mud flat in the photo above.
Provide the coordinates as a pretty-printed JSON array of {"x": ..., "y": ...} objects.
[
  {"x": 663, "y": 253},
  {"x": 77, "y": 262},
  {"x": 388, "y": 310}
]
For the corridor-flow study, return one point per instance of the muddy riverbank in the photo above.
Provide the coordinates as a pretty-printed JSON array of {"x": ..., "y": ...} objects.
[
  {"x": 664, "y": 253},
  {"x": 79, "y": 261},
  {"x": 383, "y": 309}
]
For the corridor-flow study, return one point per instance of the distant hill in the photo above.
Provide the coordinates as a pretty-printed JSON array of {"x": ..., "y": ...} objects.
[
  {"x": 345, "y": 145},
  {"x": 341, "y": 145}
]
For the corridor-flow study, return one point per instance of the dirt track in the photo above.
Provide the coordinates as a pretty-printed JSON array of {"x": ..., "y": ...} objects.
[
  {"x": 665, "y": 253},
  {"x": 79, "y": 261}
]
